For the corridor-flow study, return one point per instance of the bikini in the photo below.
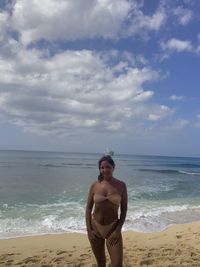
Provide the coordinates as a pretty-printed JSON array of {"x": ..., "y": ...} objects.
[
  {"x": 101, "y": 230},
  {"x": 113, "y": 198}
]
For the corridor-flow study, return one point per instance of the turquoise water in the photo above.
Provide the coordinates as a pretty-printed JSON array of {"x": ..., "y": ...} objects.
[{"x": 46, "y": 192}]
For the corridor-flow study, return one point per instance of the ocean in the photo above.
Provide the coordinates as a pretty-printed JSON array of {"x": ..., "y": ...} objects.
[{"x": 46, "y": 192}]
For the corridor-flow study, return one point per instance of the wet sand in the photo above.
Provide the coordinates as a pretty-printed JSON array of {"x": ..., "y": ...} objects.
[{"x": 177, "y": 246}]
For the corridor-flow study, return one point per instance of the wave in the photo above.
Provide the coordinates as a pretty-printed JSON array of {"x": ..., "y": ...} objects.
[
  {"x": 35, "y": 219},
  {"x": 149, "y": 219},
  {"x": 51, "y": 224},
  {"x": 159, "y": 218},
  {"x": 168, "y": 171},
  {"x": 63, "y": 165},
  {"x": 160, "y": 171},
  {"x": 183, "y": 165},
  {"x": 190, "y": 173}
]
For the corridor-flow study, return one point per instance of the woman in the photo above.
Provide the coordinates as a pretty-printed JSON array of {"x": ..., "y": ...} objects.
[{"x": 106, "y": 196}]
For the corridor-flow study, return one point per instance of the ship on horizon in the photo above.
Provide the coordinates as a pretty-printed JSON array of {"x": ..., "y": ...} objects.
[{"x": 109, "y": 152}]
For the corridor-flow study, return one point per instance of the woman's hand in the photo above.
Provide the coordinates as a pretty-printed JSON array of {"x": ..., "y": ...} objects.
[
  {"x": 91, "y": 234},
  {"x": 114, "y": 237}
]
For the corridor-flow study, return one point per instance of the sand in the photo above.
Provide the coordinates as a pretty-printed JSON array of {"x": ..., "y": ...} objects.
[{"x": 177, "y": 246}]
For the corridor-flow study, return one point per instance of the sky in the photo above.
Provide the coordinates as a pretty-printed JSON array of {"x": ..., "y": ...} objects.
[{"x": 81, "y": 76}]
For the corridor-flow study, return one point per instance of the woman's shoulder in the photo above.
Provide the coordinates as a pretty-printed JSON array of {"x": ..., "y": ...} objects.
[
  {"x": 94, "y": 184},
  {"x": 120, "y": 185},
  {"x": 120, "y": 182}
]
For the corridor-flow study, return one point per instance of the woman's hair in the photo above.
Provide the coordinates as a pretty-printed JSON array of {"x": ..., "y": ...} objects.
[{"x": 109, "y": 160}]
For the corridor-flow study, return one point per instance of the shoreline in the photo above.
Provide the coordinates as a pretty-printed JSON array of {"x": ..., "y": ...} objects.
[
  {"x": 175, "y": 246},
  {"x": 85, "y": 232}
]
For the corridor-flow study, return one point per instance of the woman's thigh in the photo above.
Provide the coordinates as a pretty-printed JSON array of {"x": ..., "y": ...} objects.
[
  {"x": 98, "y": 248},
  {"x": 116, "y": 252}
]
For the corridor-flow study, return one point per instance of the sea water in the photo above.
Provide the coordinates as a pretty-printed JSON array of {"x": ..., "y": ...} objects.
[{"x": 46, "y": 192}]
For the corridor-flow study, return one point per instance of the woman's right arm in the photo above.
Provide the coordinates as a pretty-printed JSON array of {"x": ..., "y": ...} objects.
[{"x": 89, "y": 206}]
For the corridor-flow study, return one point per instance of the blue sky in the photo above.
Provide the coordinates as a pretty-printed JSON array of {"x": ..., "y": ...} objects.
[{"x": 87, "y": 75}]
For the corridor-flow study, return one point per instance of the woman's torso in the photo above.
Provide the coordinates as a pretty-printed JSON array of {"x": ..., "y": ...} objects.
[{"x": 107, "y": 199}]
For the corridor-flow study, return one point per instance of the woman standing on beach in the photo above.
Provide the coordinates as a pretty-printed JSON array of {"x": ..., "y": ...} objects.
[{"x": 106, "y": 196}]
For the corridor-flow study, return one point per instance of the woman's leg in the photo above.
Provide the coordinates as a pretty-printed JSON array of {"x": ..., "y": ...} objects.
[
  {"x": 116, "y": 252},
  {"x": 98, "y": 248}
]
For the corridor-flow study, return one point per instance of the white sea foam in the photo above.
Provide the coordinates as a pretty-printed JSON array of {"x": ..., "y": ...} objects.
[
  {"x": 48, "y": 225},
  {"x": 159, "y": 218},
  {"x": 143, "y": 220},
  {"x": 190, "y": 173}
]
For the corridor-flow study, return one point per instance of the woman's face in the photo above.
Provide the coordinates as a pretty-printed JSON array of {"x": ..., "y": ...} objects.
[{"x": 106, "y": 169}]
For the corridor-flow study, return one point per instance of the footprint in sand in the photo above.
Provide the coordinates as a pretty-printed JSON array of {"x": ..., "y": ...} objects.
[
  {"x": 60, "y": 252},
  {"x": 57, "y": 260},
  {"x": 147, "y": 262},
  {"x": 8, "y": 263},
  {"x": 178, "y": 252},
  {"x": 85, "y": 256},
  {"x": 28, "y": 260},
  {"x": 7, "y": 259},
  {"x": 5, "y": 256}
]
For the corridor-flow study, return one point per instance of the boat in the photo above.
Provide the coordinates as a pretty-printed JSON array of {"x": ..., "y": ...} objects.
[{"x": 109, "y": 152}]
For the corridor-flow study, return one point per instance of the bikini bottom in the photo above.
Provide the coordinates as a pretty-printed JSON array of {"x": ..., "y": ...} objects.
[{"x": 103, "y": 231}]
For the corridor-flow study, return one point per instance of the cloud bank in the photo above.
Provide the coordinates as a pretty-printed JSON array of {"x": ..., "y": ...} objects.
[
  {"x": 67, "y": 20},
  {"x": 73, "y": 89},
  {"x": 57, "y": 92}
]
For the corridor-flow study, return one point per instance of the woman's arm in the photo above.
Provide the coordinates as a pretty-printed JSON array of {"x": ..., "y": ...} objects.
[
  {"x": 89, "y": 206},
  {"x": 123, "y": 207},
  {"x": 115, "y": 235}
]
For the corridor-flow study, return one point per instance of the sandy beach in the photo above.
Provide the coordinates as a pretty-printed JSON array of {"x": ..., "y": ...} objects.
[{"x": 177, "y": 246}]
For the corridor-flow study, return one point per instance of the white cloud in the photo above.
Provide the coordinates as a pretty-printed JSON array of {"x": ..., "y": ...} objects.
[
  {"x": 159, "y": 112},
  {"x": 175, "y": 125},
  {"x": 184, "y": 15},
  {"x": 3, "y": 27},
  {"x": 198, "y": 46},
  {"x": 177, "y": 45},
  {"x": 180, "y": 124},
  {"x": 197, "y": 122},
  {"x": 141, "y": 59},
  {"x": 67, "y": 20},
  {"x": 141, "y": 23},
  {"x": 73, "y": 90},
  {"x": 176, "y": 97}
]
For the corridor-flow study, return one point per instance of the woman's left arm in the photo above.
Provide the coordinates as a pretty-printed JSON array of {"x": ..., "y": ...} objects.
[
  {"x": 123, "y": 207},
  {"x": 115, "y": 235}
]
